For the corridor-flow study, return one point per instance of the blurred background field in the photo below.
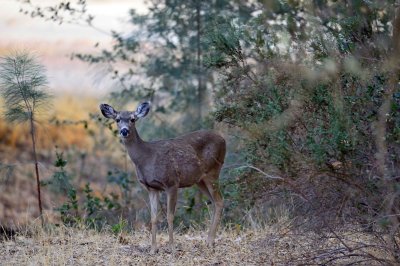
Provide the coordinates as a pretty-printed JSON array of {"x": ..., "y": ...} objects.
[
  {"x": 65, "y": 126},
  {"x": 68, "y": 132}
]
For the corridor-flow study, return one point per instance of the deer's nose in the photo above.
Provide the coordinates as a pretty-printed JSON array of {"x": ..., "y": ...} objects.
[{"x": 124, "y": 132}]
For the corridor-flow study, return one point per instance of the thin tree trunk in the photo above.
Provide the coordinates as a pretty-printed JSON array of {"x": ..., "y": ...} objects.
[
  {"x": 393, "y": 207},
  {"x": 200, "y": 88},
  {"x": 36, "y": 169},
  {"x": 384, "y": 110}
]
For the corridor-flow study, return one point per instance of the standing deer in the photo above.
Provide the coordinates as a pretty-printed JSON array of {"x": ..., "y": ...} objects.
[{"x": 166, "y": 165}]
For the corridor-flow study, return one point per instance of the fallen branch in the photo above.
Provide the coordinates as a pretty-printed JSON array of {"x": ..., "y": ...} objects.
[{"x": 261, "y": 171}]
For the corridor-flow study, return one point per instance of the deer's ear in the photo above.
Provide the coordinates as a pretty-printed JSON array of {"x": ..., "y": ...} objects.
[
  {"x": 108, "y": 111},
  {"x": 142, "y": 110}
]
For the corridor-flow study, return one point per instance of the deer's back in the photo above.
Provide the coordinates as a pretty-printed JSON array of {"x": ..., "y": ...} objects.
[
  {"x": 185, "y": 160},
  {"x": 209, "y": 146}
]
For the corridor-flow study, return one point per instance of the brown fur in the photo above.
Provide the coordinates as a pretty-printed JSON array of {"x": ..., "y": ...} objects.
[{"x": 166, "y": 165}]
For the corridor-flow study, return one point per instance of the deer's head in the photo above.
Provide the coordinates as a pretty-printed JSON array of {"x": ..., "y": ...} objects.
[{"x": 125, "y": 119}]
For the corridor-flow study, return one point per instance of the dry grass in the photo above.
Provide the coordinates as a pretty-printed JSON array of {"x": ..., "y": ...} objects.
[
  {"x": 271, "y": 246},
  {"x": 71, "y": 247}
]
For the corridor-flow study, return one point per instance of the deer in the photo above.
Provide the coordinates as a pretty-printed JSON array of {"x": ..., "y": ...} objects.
[{"x": 167, "y": 165}]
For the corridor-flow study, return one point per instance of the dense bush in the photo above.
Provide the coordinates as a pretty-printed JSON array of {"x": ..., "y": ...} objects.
[{"x": 313, "y": 92}]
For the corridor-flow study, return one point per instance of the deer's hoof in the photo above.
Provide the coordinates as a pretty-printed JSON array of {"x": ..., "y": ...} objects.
[
  {"x": 210, "y": 242},
  {"x": 153, "y": 250},
  {"x": 170, "y": 248}
]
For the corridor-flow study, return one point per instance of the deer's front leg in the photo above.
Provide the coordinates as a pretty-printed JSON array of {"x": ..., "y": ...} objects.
[
  {"x": 153, "y": 194},
  {"x": 172, "y": 195}
]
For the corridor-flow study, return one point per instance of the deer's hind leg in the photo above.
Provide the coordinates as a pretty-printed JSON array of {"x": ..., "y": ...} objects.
[
  {"x": 203, "y": 188},
  {"x": 172, "y": 195},
  {"x": 218, "y": 202}
]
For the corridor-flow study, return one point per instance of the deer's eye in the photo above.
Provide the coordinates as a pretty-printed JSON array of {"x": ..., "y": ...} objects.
[{"x": 117, "y": 120}]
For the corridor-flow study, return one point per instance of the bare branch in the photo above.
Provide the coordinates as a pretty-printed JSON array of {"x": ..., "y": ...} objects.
[{"x": 261, "y": 171}]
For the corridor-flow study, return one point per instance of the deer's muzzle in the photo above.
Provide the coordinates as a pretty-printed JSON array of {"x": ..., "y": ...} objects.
[{"x": 124, "y": 132}]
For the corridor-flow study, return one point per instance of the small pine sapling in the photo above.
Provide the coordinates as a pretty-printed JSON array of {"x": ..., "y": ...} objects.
[{"x": 22, "y": 83}]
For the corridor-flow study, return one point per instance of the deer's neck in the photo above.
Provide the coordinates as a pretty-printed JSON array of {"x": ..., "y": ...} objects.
[{"x": 135, "y": 147}]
